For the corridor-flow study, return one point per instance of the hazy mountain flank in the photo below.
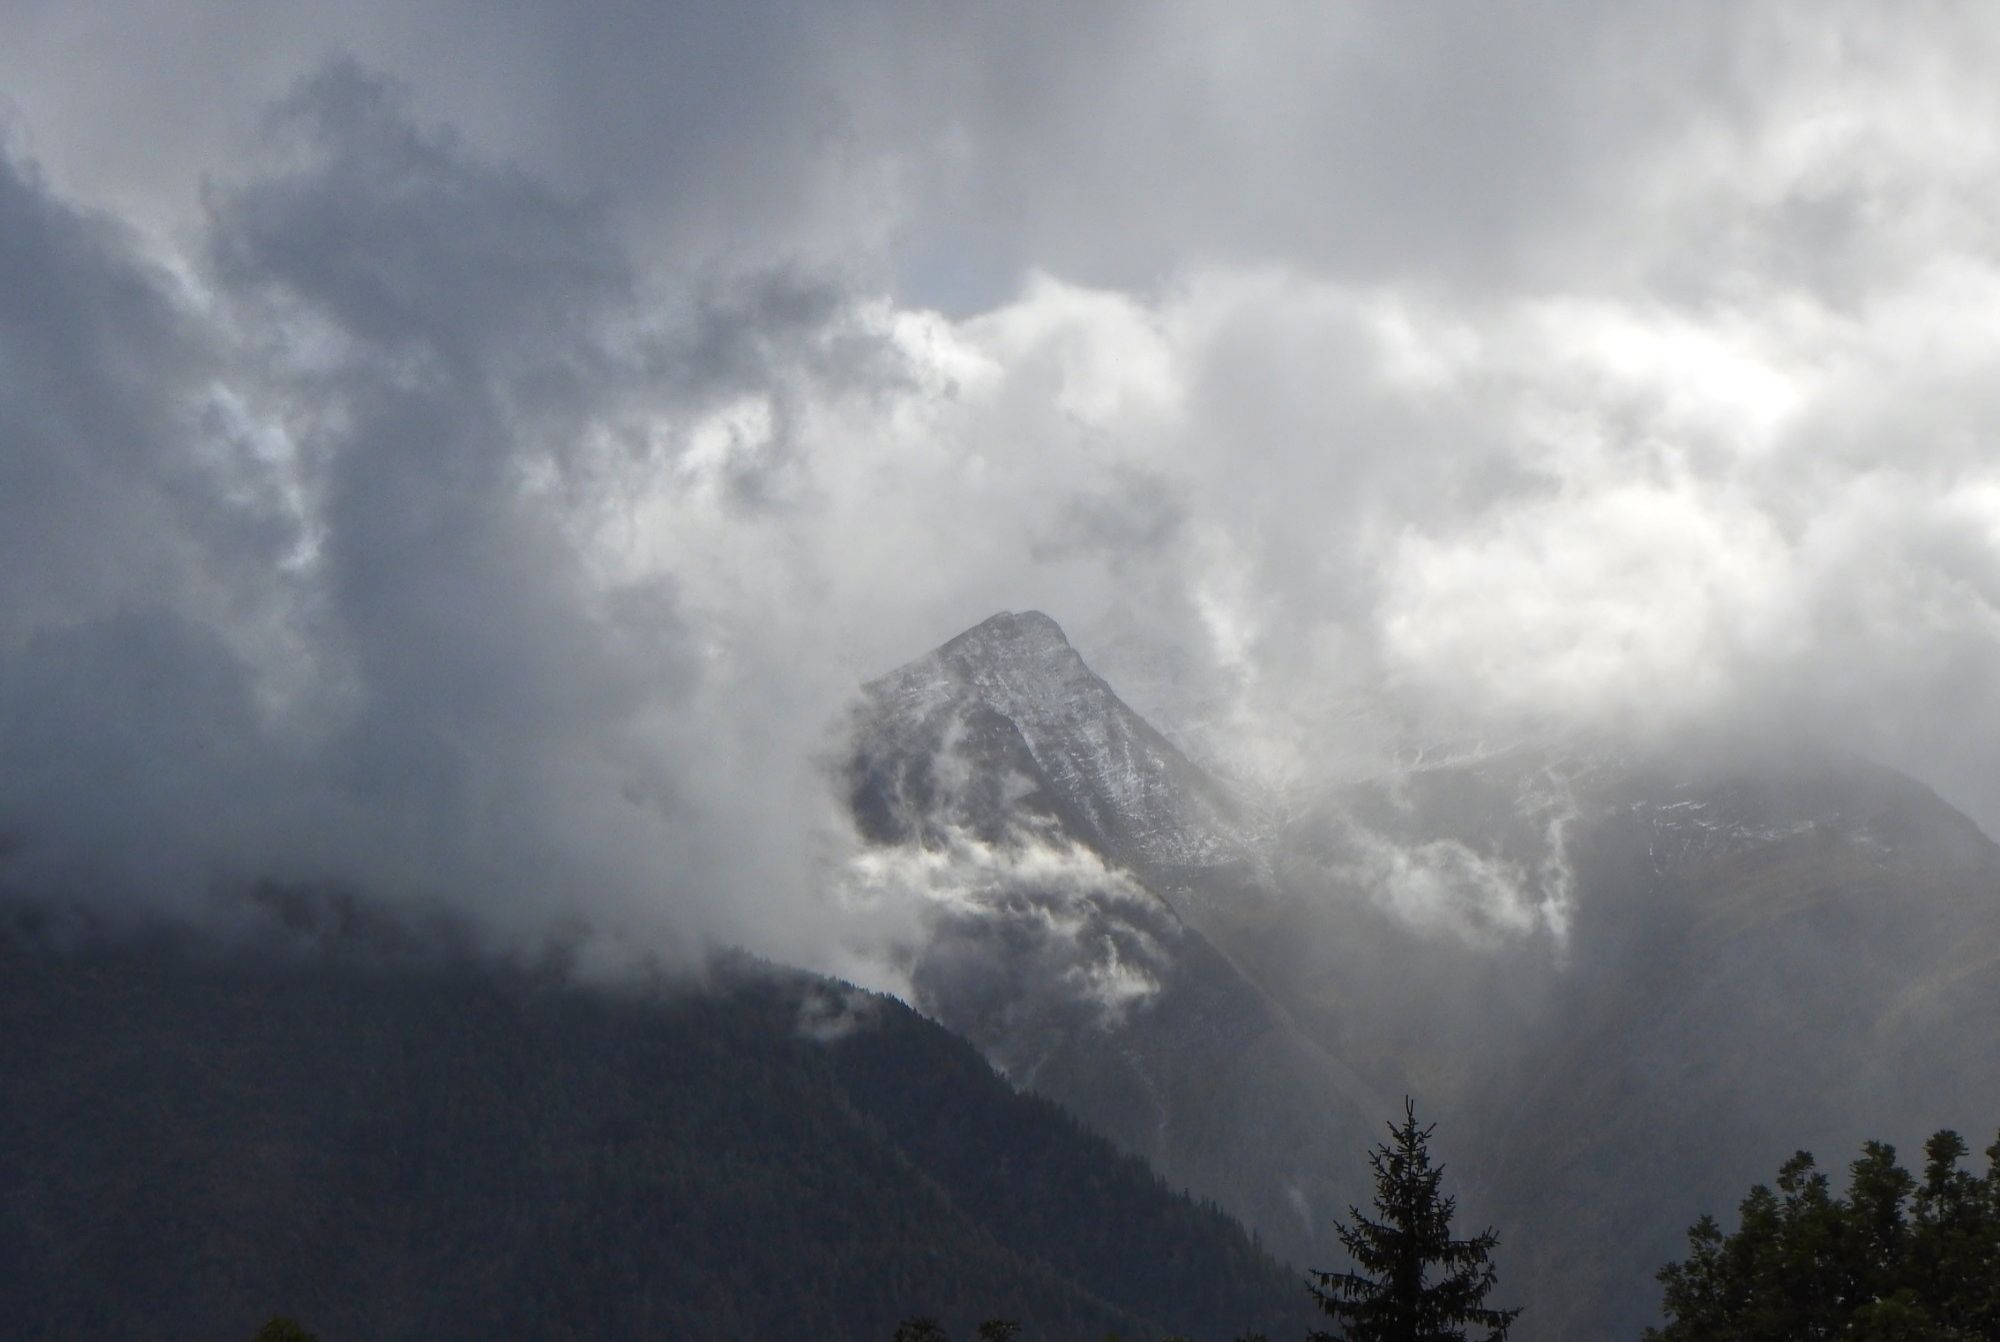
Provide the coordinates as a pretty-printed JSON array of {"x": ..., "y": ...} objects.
[{"x": 1626, "y": 986}]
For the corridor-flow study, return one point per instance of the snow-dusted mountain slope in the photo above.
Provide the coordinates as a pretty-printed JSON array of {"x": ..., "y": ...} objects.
[{"x": 1005, "y": 722}]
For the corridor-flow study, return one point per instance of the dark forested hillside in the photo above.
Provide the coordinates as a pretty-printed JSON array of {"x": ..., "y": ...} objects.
[{"x": 191, "y": 1140}]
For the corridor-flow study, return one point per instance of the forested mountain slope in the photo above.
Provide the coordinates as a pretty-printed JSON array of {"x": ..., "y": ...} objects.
[{"x": 414, "y": 1145}]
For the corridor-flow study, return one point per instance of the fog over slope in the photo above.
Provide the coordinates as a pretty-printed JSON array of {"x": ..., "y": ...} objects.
[{"x": 474, "y": 452}]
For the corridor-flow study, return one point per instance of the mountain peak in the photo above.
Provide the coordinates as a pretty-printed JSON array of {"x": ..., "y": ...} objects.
[
  {"x": 1028, "y": 630},
  {"x": 1010, "y": 700},
  {"x": 1019, "y": 663}
]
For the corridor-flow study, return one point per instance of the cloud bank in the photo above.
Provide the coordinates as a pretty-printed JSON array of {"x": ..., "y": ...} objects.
[{"x": 476, "y": 453}]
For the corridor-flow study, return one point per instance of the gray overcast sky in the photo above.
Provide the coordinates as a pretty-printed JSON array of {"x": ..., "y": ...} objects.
[{"x": 478, "y": 447}]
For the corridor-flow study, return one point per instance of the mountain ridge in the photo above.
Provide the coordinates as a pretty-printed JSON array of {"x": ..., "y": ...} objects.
[{"x": 1499, "y": 932}]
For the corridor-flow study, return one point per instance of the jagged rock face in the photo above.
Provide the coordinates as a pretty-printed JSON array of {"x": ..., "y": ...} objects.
[
  {"x": 1627, "y": 987},
  {"x": 1005, "y": 724}
]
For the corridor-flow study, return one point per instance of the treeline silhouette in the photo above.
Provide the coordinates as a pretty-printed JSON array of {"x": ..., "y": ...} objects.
[{"x": 1898, "y": 1258}]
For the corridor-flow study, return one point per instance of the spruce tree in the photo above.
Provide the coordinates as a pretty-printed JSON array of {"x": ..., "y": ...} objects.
[{"x": 1413, "y": 1282}]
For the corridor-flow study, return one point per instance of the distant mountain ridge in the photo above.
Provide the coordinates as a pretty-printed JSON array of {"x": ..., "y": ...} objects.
[{"x": 1620, "y": 981}]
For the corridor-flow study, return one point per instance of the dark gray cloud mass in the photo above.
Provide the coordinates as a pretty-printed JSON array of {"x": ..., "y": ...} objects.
[
  {"x": 302, "y": 570},
  {"x": 475, "y": 450}
]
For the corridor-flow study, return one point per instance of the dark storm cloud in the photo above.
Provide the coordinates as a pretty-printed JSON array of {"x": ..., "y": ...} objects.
[
  {"x": 405, "y": 241},
  {"x": 125, "y": 724},
  {"x": 464, "y": 305},
  {"x": 96, "y": 366},
  {"x": 372, "y": 645}
]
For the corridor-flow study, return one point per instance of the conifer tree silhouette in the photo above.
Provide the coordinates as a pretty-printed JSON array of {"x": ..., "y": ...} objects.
[{"x": 1413, "y": 1282}]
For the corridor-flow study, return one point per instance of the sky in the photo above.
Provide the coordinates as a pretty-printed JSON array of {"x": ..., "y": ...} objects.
[{"x": 476, "y": 450}]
